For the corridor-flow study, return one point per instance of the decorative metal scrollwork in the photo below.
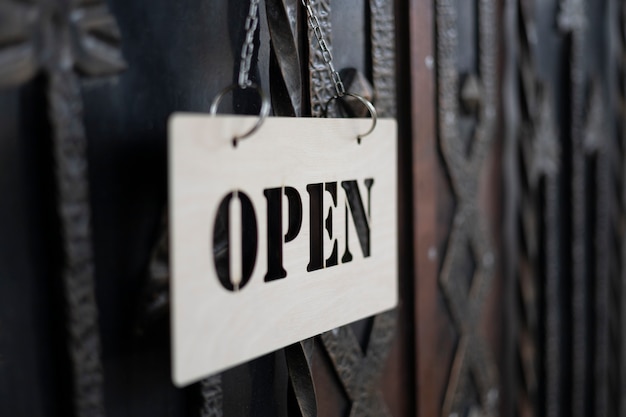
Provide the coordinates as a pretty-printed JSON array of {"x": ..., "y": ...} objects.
[
  {"x": 359, "y": 372},
  {"x": 533, "y": 167},
  {"x": 86, "y": 37},
  {"x": 285, "y": 72},
  {"x": 384, "y": 56},
  {"x": 301, "y": 377},
  {"x": 473, "y": 368},
  {"x": 58, "y": 37},
  {"x": 19, "y": 31},
  {"x": 212, "y": 397},
  {"x": 322, "y": 87}
]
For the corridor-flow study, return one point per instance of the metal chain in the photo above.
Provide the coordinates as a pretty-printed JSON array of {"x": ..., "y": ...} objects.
[
  {"x": 314, "y": 24},
  {"x": 247, "y": 49}
]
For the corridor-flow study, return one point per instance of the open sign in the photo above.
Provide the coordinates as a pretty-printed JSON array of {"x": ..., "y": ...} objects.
[{"x": 288, "y": 235}]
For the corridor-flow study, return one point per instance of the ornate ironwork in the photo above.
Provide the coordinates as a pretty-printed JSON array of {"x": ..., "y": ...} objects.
[
  {"x": 31, "y": 39},
  {"x": 78, "y": 274},
  {"x": 58, "y": 37},
  {"x": 285, "y": 72},
  {"x": 533, "y": 169},
  {"x": 321, "y": 83},
  {"x": 359, "y": 372},
  {"x": 155, "y": 298},
  {"x": 384, "y": 56},
  {"x": 473, "y": 366},
  {"x": 212, "y": 397},
  {"x": 20, "y": 28},
  {"x": 300, "y": 377}
]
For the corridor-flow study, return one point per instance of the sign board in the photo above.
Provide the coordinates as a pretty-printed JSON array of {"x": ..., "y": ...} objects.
[{"x": 289, "y": 234}]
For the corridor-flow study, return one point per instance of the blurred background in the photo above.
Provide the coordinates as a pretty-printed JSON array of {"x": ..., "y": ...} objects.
[{"x": 512, "y": 199}]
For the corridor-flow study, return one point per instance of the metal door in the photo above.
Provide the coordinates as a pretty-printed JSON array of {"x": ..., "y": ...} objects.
[{"x": 511, "y": 167}]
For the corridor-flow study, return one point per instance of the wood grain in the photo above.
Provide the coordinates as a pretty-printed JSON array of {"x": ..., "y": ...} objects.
[{"x": 213, "y": 328}]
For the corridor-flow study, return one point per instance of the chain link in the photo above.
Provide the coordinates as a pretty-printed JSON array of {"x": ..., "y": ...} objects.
[
  {"x": 314, "y": 25},
  {"x": 247, "y": 49}
]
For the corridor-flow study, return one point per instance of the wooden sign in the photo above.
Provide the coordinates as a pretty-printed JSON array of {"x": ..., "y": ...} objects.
[{"x": 290, "y": 234}]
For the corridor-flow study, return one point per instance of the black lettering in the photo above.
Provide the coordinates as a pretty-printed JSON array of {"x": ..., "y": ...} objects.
[
  {"x": 295, "y": 213},
  {"x": 331, "y": 188},
  {"x": 221, "y": 241},
  {"x": 316, "y": 243},
  {"x": 355, "y": 207},
  {"x": 275, "y": 269}
]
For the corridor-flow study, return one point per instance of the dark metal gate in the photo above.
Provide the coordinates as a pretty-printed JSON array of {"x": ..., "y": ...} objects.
[{"x": 511, "y": 234}]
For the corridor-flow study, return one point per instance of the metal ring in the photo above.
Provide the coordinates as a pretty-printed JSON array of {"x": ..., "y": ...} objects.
[
  {"x": 370, "y": 107},
  {"x": 265, "y": 108}
]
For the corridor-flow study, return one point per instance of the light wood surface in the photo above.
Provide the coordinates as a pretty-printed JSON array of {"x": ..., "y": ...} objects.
[{"x": 214, "y": 328}]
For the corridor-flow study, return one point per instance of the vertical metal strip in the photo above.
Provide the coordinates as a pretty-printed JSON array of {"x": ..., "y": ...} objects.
[
  {"x": 617, "y": 240},
  {"x": 473, "y": 363},
  {"x": 511, "y": 203},
  {"x": 572, "y": 20},
  {"x": 580, "y": 236},
  {"x": 553, "y": 294},
  {"x": 533, "y": 162},
  {"x": 384, "y": 56},
  {"x": 301, "y": 378},
  {"x": 321, "y": 84},
  {"x": 212, "y": 397},
  {"x": 360, "y": 371},
  {"x": 70, "y": 147},
  {"x": 80, "y": 32},
  {"x": 285, "y": 70},
  {"x": 601, "y": 282},
  {"x": 596, "y": 140},
  {"x": 85, "y": 30}
]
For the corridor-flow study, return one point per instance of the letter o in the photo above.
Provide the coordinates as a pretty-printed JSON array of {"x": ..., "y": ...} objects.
[{"x": 221, "y": 241}]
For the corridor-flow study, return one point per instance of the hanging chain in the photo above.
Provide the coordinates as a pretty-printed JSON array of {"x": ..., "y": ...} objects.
[
  {"x": 314, "y": 24},
  {"x": 247, "y": 49}
]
